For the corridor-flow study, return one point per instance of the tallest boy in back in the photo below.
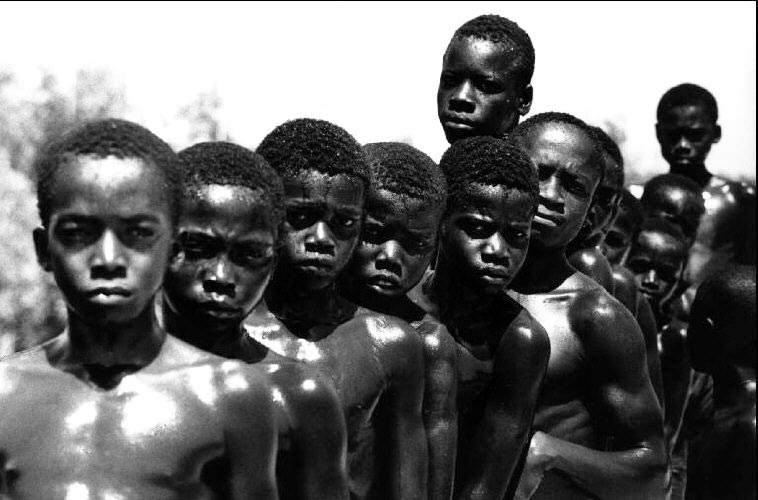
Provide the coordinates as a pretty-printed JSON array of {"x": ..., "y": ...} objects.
[
  {"x": 114, "y": 408},
  {"x": 687, "y": 127},
  {"x": 485, "y": 79}
]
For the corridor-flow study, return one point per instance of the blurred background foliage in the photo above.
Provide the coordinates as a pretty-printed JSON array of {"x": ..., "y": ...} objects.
[{"x": 31, "y": 309}]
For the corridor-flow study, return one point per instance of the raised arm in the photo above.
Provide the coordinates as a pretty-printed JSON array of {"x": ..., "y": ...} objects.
[
  {"x": 319, "y": 438},
  {"x": 408, "y": 463},
  {"x": 440, "y": 412},
  {"x": 624, "y": 401},
  {"x": 251, "y": 437},
  {"x": 519, "y": 369}
]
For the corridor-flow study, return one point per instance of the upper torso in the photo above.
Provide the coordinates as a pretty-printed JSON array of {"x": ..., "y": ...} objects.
[{"x": 148, "y": 438}]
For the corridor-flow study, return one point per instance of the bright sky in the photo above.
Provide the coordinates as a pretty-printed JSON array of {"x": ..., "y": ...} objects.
[{"x": 373, "y": 68}]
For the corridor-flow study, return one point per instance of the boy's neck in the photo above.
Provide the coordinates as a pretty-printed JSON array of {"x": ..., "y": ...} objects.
[
  {"x": 544, "y": 269},
  {"x": 697, "y": 173},
  {"x": 136, "y": 343},
  {"x": 400, "y": 306},
  {"x": 228, "y": 340},
  {"x": 301, "y": 309}
]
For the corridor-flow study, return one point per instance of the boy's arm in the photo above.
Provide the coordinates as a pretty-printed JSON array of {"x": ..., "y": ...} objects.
[
  {"x": 646, "y": 320},
  {"x": 320, "y": 436},
  {"x": 408, "y": 462},
  {"x": 250, "y": 433},
  {"x": 440, "y": 412},
  {"x": 519, "y": 369},
  {"x": 625, "y": 403}
]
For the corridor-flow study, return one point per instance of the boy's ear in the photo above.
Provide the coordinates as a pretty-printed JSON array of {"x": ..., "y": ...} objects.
[
  {"x": 525, "y": 100},
  {"x": 39, "y": 235},
  {"x": 717, "y": 134}
]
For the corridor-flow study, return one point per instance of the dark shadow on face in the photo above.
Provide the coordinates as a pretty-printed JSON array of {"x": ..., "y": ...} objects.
[
  {"x": 657, "y": 260},
  {"x": 398, "y": 241},
  {"x": 604, "y": 206},
  {"x": 618, "y": 239},
  {"x": 109, "y": 237},
  {"x": 568, "y": 180},
  {"x": 225, "y": 256},
  {"x": 477, "y": 93},
  {"x": 678, "y": 206},
  {"x": 686, "y": 134},
  {"x": 324, "y": 217},
  {"x": 484, "y": 244}
]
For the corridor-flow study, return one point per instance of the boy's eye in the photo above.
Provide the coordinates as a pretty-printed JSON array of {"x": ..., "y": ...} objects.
[
  {"x": 75, "y": 232},
  {"x": 448, "y": 79},
  {"x": 478, "y": 229},
  {"x": 140, "y": 232},
  {"x": 300, "y": 219},
  {"x": 252, "y": 256},
  {"x": 614, "y": 239},
  {"x": 372, "y": 233},
  {"x": 490, "y": 86},
  {"x": 639, "y": 266},
  {"x": 197, "y": 247}
]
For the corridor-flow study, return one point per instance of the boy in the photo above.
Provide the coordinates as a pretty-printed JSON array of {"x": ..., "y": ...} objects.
[
  {"x": 399, "y": 239},
  {"x": 502, "y": 350},
  {"x": 228, "y": 235},
  {"x": 374, "y": 360},
  {"x": 113, "y": 407},
  {"x": 597, "y": 392},
  {"x": 485, "y": 79},
  {"x": 686, "y": 129}
]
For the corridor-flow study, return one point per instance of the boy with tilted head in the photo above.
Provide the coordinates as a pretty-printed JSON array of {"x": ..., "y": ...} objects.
[
  {"x": 229, "y": 231},
  {"x": 502, "y": 351},
  {"x": 485, "y": 81},
  {"x": 375, "y": 361},
  {"x": 404, "y": 208},
  {"x": 114, "y": 407},
  {"x": 597, "y": 391}
]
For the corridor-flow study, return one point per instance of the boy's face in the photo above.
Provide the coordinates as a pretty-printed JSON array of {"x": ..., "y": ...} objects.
[
  {"x": 225, "y": 259},
  {"x": 485, "y": 243},
  {"x": 675, "y": 205},
  {"x": 605, "y": 205},
  {"x": 477, "y": 94},
  {"x": 568, "y": 180},
  {"x": 398, "y": 242},
  {"x": 656, "y": 259},
  {"x": 324, "y": 216},
  {"x": 686, "y": 134},
  {"x": 618, "y": 239},
  {"x": 109, "y": 236}
]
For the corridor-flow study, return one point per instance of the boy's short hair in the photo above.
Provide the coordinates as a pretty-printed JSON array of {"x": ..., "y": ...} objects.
[
  {"x": 103, "y": 138},
  {"x": 657, "y": 225},
  {"x": 490, "y": 161},
  {"x": 309, "y": 144},
  {"x": 404, "y": 170},
  {"x": 525, "y": 128},
  {"x": 695, "y": 206},
  {"x": 688, "y": 94},
  {"x": 228, "y": 164},
  {"x": 614, "y": 176},
  {"x": 508, "y": 35}
]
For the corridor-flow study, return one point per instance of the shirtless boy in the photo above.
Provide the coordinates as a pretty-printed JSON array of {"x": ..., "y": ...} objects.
[
  {"x": 406, "y": 200},
  {"x": 721, "y": 341},
  {"x": 376, "y": 362},
  {"x": 599, "y": 424},
  {"x": 485, "y": 79},
  {"x": 228, "y": 235},
  {"x": 502, "y": 350},
  {"x": 687, "y": 128},
  {"x": 113, "y": 407}
]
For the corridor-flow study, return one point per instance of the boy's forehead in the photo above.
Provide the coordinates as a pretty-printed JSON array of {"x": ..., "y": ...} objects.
[
  {"x": 118, "y": 184},
  {"x": 498, "y": 201},
  {"x": 687, "y": 115},
  {"x": 108, "y": 171},
  {"x": 315, "y": 185},
  {"x": 658, "y": 242},
  {"x": 381, "y": 202}
]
